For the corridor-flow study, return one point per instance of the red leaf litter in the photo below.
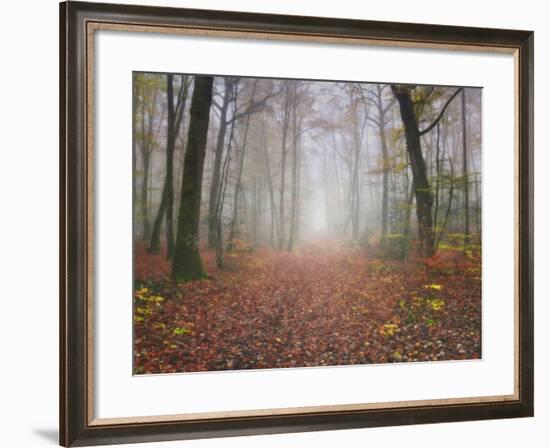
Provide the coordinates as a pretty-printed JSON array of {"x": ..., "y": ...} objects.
[{"x": 321, "y": 305}]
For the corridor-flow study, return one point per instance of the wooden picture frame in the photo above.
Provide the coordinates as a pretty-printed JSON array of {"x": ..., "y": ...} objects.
[{"x": 78, "y": 22}]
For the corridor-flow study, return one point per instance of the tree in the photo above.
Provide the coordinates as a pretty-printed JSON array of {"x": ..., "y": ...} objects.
[
  {"x": 465, "y": 173},
  {"x": 359, "y": 124},
  {"x": 166, "y": 208},
  {"x": 218, "y": 156},
  {"x": 228, "y": 93},
  {"x": 235, "y": 222},
  {"x": 146, "y": 89},
  {"x": 380, "y": 122},
  {"x": 187, "y": 263},
  {"x": 423, "y": 192},
  {"x": 220, "y": 199},
  {"x": 273, "y": 214},
  {"x": 294, "y": 182},
  {"x": 289, "y": 91}
]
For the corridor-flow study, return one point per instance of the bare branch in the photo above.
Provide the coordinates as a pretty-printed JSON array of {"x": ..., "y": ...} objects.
[
  {"x": 253, "y": 107},
  {"x": 434, "y": 123}
]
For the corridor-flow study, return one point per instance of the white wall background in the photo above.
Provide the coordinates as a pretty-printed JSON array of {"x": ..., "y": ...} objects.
[{"x": 29, "y": 208}]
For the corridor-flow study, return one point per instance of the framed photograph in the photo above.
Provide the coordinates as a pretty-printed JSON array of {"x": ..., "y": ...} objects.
[{"x": 278, "y": 224}]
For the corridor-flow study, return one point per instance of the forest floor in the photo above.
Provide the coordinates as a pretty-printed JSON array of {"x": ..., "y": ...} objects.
[{"x": 320, "y": 305}]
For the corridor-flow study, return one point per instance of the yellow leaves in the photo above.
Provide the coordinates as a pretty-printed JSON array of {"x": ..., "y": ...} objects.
[
  {"x": 147, "y": 304},
  {"x": 436, "y": 304},
  {"x": 143, "y": 310},
  {"x": 434, "y": 287},
  {"x": 397, "y": 355},
  {"x": 389, "y": 329},
  {"x": 178, "y": 331},
  {"x": 143, "y": 294}
]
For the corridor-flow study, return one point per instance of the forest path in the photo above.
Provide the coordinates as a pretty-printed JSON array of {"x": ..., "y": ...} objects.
[{"x": 322, "y": 304}]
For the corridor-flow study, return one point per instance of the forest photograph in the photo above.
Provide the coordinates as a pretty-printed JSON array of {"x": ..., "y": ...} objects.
[{"x": 283, "y": 223}]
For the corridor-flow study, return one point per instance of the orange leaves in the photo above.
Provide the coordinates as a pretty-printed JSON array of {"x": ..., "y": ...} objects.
[{"x": 324, "y": 304}]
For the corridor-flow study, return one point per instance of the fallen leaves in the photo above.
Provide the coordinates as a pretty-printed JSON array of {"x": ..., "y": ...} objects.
[{"x": 320, "y": 305}]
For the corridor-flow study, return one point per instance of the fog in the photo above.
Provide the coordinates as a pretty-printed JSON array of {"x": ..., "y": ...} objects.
[{"x": 289, "y": 161}]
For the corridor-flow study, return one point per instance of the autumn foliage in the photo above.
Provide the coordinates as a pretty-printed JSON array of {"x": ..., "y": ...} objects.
[{"x": 320, "y": 305}]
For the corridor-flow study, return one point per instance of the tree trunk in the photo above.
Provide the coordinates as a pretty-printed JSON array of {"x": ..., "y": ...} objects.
[
  {"x": 144, "y": 195},
  {"x": 215, "y": 185},
  {"x": 355, "y": 184},
  {"x": 293, "y": 179},
  {"x": 187, "y": 263},
  {"x": 147, "y": 146},
  {"x": 423, "y": 193},
  {"x": 169, "y": 180},
  {"x": 167, "y": 201},
  {"x": 407, "y": 224},
  {"x": 465, "y": 174},
  {"x": 234, "y": 222},
  {"x": 134, "y": 137},
  {"x": 221, "y": 197},
  {"x": 269, "y": 185},
  {"x": 286, "y": 120},
  {"x": 385, "y": 166},
  {"x": 154, "y": 245}
]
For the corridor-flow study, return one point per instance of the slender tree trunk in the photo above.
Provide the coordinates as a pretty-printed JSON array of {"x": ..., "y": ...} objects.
[
  {"x": 477, "y": 203},
  {"x": 218, "y": 157},
  {"x": 235, "y": 221},
  {"x": 147, "y": 146},
  {"x": 296, "y": 229},
  {"x": 187, "y": 263},
  {"x": 293, "y": 178},
  {"x": 282, "y": 200},
  {"x": 465, "y": 174},
  {"x": 270, "y": 188},
  {"x": 134, "y": 139},
  {"x": 167, "y": 201},
  {"x": 256, "y": 212},
  {"x": 449, "y": 205},
  {"x": 437, "y": 178},
  {"x": 169, "y": 180},
  {"x": 355, "y": 191},
  {"x": 327, "y": 191},
  {"x": 407, "y": 226},
  {"x": 154, "y": 244},
  {"x": 144, "y": 196},
  {"x": 385, "y": 170},
  {"x": 221, "y": 197},
  {"x": 286, "y": 120}
]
